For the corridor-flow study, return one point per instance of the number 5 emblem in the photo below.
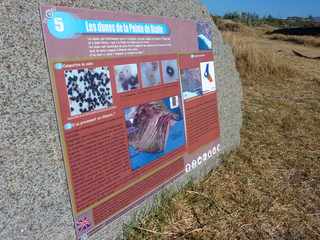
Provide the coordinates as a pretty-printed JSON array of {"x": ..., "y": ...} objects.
[{"x": 58, "y": 24}]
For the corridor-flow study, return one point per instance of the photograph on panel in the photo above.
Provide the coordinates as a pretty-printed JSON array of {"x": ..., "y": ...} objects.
[
  {"x": 126, "y": 77},
  {"x": 191, "y": 83},
  {"x": 170, "y": 71},
  {"x": 154, "y": 130},
  {"x": 88, "y": 89},
  {"x": 205, "y": 35},
  {"x": 207, "y": 77},
  {"x": 150, "y": 74}
]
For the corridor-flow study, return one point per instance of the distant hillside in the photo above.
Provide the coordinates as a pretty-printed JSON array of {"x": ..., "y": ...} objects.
[
  {"x": 311, "y": 31},
  {"x": 253, "y": 19}
]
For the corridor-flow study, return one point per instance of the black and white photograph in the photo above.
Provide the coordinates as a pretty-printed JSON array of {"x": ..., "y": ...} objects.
[
  {"x": 88, "y": 89},
  {"x": 170, "y": 71},
  {"x": 126, "y": 77},
  {"x": 150, "y": 72}
]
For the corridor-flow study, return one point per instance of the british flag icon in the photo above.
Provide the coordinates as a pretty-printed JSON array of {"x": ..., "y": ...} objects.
[{"x": 83, "y": 224}]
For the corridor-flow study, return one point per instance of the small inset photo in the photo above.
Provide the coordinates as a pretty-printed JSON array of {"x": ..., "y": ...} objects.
[
  {"x": 88, "y": 89},
  {"x": 207, "y": 77},
  {"x": 170, "y": 71},
  {"x": 205, "y": 35},
  {"x": 126, "y": 77},
  {"x": 191, "y": 83},
  {"x": 155, "y": 129},
  {"x": 150, "y": 74}
]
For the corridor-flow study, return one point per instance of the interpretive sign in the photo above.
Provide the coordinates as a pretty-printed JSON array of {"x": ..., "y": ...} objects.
[{"x": 136, "y": 105}]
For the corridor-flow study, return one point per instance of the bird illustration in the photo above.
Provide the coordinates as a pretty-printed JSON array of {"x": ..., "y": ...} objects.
[{"x": 207, "y": 74}]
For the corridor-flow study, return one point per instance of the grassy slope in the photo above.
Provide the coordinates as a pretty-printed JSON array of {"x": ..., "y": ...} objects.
[{"x": 270, "y": 187}]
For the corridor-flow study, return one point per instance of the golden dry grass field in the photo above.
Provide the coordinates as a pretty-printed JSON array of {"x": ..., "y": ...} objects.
[{"x": 270, "y": 187}]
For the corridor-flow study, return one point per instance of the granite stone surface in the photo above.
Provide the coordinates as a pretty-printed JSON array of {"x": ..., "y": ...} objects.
[{"x": 34, "y": 199}]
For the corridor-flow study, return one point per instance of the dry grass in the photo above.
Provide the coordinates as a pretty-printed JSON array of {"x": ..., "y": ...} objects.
[
  {"x": 270, "y": 187},
  {"x": 255, "y": 61},
  {"x": 231, "y": 26},
  {"x": 304, "y": 40}
]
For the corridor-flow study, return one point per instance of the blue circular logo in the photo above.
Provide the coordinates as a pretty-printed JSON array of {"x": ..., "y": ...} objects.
[
  {"x": 68, "y": 126},
  {"x": 58, "y": 66},
  {"x": 63, "y": 25}
]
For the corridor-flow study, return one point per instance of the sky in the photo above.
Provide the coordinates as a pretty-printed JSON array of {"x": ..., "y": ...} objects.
[{"x": 277, "y": 8}]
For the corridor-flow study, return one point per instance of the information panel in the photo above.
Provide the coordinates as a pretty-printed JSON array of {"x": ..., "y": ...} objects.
[{"x": 136, "y": 104}]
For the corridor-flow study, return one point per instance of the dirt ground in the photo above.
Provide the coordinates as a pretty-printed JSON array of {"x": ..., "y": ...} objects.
[{"x": 270, "y": 187}]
